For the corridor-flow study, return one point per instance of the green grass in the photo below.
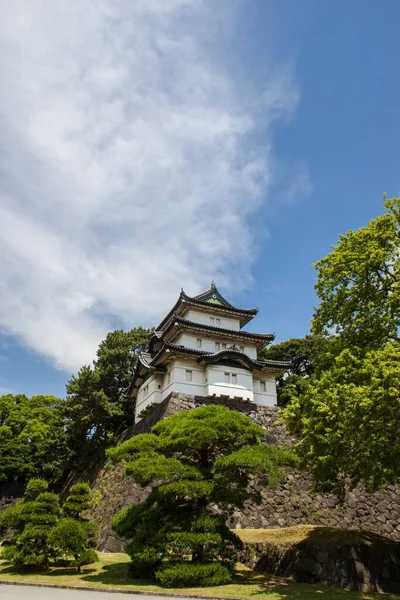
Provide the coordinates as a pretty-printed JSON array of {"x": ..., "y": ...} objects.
[
  {"x": 112, "y": 572},
  {"x": 313, "y": 534}
]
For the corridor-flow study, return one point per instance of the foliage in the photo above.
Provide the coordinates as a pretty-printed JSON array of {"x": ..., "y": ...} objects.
[
  {"x": 32, "y": 438},
  {"x": 303, "y": 355},
  {"x": 71, "y": 538},
  {"x": 97, "y": 407},
  {"x": 79, "y": 500},
  {"x": 38, "y": 535},
  {"x": 349, "y": 420},
  {"x": 198, "y": 463},
  {"x": 359, "y": 283},
  {"x": 30, "y": 544},
  {"x": 186, "y": 575}
]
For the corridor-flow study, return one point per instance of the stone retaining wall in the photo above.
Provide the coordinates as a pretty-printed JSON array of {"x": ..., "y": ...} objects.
[
  {"x": 366, "y": 567},
  {"x": 291, "y": 503}
]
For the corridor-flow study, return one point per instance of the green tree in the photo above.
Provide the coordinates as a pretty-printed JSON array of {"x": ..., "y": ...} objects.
[
  {"x": 32, "y": 438},
  {"x": 359, "y": 283},
  {"x": 97, "y": 407},
  {"x": 199, "y": 464},
  {"x": 349, "y": 419},
  {"x": 79, "y": 500},
  {"x": 32, "y": 522},
  {"x": 35, "y": 533},
  {"x": 71, "y": 538},
  {"x": 303, "y": 354}
]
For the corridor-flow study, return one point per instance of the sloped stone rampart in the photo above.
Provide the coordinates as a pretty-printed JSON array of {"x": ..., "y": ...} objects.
[
  {"x": 291, "y": 503},
  {"x": 369, "y": 565}
]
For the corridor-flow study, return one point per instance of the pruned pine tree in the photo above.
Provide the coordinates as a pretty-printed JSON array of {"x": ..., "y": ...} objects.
[
  {"x": 37, "y": 534},
  {"x": 33, "y": 519},
  {"x": 199, "y": 464}
]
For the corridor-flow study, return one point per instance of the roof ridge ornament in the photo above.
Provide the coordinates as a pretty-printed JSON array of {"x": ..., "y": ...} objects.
[{"x": 213, "y": 286}]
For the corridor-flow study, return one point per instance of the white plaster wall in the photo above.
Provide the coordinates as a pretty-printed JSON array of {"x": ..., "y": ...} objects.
[
  {"x": 208, "y": 343},
  {"x": 178, "y": 382},
  {"x": 202, "y": 317},
  {"x": 190, "y": 341},
  {"x": 250, "y": 350},
  {"x": 215, "y": 374},
  {"x": 206, "y": 380},
  {"x": 267, "y": 398},
  {"x": 153, "y": 394}
]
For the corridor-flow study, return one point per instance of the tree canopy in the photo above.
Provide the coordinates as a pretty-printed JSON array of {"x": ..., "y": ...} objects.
[
  {"x": 303, "y": 355},
  {"x": 97, "y": 407},
  {"x": 38, "y": 530},
  {"x": 349, "y": 420},
  {"x": 32, "y": 438},
  {"x": 198, "y": 463},
  {"x": 347, "y": 412},
  {"x": 359, "y": 283}
]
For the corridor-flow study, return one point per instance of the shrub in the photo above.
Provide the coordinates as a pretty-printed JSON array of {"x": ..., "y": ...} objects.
[
  {"x": 187, "y": 574},
  {"x": 71, "y": 538},
  {"x": 79, "y": 500}
]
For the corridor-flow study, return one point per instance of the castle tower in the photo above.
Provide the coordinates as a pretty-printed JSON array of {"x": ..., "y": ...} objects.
[{"x": 200, "y": 349}]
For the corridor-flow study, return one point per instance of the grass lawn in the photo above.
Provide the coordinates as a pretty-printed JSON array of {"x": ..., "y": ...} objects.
[
  {"x": 288, "y": 536},
  {"x": 111, "y": 572}
]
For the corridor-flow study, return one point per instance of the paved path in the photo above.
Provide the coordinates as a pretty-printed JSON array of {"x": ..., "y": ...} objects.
[{"x": 25, "y": 592}]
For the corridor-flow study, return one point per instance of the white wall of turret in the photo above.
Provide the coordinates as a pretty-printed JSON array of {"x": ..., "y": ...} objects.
[
  {"x": 215, "y": 343},
  {"x": 198, "y": 316},
  {"x": 220, "y": 381}
]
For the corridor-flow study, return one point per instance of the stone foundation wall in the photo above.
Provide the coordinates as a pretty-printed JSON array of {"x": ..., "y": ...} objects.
[
  {"x": 366, "y": 567},
  {"x": 291, "y": 503}
]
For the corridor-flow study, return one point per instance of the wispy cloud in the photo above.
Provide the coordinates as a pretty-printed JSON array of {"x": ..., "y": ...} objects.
[{"x": 128, "y": 166}]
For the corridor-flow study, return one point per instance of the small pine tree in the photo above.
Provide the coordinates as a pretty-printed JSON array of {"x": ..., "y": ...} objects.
[
  {"x": 78, "y": 501},
  {"x": 72, "y": 538},
  {"x": 38, "y": 535},
  {"x": 32, "y": 522}
]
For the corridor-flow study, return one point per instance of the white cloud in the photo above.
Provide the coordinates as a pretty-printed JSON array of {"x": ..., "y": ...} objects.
[{"x": 127, "y": 166}]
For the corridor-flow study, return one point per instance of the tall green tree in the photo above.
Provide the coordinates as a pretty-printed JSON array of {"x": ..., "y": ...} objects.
[
  {"x": 199, "y": 463},
  {"x": 347, "y": 413},
  {"x": 303, "y": 355},
  {"x": 359, "y": 283},
  {"x": 97, "y": 406},
  {"x": 349, "y": 420},
  {"x": 32, "y": 438}
]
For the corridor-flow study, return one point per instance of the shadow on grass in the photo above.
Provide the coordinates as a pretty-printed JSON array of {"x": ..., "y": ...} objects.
[
  {"x": 53, "y": 572},
  {"x": 279, "y": 588},
  {"x": 116, "y": 574}
]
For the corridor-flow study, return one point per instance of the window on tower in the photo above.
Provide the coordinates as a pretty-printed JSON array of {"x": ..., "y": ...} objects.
[
  {"x": 188, "y": 375},
  {"x": 198, "y": 343}
]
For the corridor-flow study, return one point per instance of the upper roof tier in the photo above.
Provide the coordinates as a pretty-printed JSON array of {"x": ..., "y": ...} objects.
[{"x": 220, "y": 306}]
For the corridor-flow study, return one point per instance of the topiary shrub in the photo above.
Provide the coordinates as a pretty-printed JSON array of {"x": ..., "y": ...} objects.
[
  {"x": 198, "y": 463},
  {"x": 187, "y": 574}
]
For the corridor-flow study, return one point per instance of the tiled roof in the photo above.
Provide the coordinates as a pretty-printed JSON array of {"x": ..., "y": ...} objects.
[
  {"x": 267, "y": 337},
  {"x": 200, "y": 300},
  {"x": 204, "y": 356},
  {"x": 149, "y": 361}
]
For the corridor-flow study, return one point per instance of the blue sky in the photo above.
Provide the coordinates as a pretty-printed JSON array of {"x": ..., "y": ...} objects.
[{"x": 159, "y": 145}]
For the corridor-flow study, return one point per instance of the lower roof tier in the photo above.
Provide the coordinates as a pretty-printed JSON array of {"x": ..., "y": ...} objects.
[{"x": 156, "y": 362}]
